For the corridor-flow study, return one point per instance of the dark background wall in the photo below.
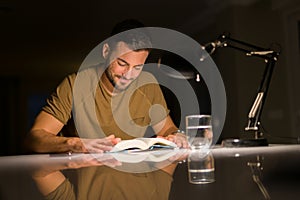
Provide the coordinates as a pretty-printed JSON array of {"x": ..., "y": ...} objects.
[{"x": 41, "y": 42}]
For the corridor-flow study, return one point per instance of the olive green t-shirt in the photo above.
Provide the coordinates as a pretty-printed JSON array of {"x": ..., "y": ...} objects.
[{"x": 82, "y": 98}]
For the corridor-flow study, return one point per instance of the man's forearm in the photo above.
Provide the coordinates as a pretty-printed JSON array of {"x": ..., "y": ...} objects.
[{"x": 40, "y": 141}]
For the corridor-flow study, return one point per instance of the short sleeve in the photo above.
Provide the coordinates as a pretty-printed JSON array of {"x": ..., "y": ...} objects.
[{"x": 59, "y": 104}]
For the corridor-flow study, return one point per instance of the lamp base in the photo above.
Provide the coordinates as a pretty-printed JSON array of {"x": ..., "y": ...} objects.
[{"x": 244, "y": 142}]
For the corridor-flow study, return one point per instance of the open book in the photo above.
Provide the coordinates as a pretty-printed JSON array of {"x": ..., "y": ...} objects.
[
  {"x": 143, "y": 144},
  {"x": 145, "y": 156}
]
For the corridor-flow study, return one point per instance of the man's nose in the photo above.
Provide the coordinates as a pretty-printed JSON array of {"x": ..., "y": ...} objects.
[{"x": 127, "y": 72}]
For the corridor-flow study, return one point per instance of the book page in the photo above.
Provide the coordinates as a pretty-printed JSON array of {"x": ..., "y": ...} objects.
[
  {"x": 151, "y": 141},
  {"x": 142, "y": 144},
  {"x": 129, "y": 144}
]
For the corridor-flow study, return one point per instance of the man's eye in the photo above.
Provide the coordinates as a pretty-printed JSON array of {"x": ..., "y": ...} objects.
[
  {"x": 138, "y": 68},
  {"x": 121, "y": 63}
]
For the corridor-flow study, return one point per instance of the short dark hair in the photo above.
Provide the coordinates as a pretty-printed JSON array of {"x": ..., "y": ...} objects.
[{"x": 136, "y": 38}]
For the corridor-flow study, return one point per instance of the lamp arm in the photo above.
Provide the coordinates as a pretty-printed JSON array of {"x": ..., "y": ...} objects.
[
  {"x": 258, "y": 105},
  {"x": 270, "y": 57}
]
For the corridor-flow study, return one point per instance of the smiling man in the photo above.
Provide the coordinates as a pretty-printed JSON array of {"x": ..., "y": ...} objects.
[
  {"x": 121, "y": 72},
  {"x": 124, "y": 68},
  {"x": 119, "y": 89}
]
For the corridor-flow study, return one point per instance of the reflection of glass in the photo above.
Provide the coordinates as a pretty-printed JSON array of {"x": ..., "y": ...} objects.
[
  {"x": 201, "y": 167},
  {"x": 199, "y": 131}
]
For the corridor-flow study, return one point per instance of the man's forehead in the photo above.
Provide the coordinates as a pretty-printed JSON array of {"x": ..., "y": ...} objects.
[{"x": 120, "y": 49}]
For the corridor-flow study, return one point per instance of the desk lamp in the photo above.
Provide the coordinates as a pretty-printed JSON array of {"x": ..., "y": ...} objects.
[{"x": 270, "y": 57}]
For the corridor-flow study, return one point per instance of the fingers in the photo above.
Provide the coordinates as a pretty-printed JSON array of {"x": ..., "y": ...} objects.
[
  {"x": 102, "y": 144},
  {"x": 111, "y": 136},
  {"x": 179, "y": 139},
  {"x": 104, "y": 141},
  {"x": 182, "y": 141},
  {"x": 116, "y": 140},
  {"x": 113, "y": 139},
  {"x": 98, "y": 145}
]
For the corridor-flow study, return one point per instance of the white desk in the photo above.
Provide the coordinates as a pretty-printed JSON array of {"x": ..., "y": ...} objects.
[{"x": 279, "y": 174}]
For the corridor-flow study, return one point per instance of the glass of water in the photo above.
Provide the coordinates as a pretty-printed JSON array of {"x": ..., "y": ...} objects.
[{"x": 199, "y": 131}]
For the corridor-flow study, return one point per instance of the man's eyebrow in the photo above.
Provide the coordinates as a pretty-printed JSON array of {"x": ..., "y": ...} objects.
[
  {"x": 140, "y": 65},
  {"x": 123, "y": 61}
]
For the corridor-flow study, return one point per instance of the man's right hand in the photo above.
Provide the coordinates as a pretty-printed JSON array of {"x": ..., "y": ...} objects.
[
  {"x": 99, "y": 145},
  {"x": 42, "y": 138}
]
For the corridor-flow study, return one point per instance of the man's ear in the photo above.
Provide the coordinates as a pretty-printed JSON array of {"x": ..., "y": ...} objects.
[{"x": 105, "y": 50}]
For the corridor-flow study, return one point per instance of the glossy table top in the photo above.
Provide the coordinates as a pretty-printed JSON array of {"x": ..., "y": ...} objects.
[{"x": 271, "y": 172}]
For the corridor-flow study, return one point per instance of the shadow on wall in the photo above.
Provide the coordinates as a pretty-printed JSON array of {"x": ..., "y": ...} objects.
[
  {"x": 161, "y": 58},
  {"x": 17, "y": 114},
  {"x": 10, "y": 115}
]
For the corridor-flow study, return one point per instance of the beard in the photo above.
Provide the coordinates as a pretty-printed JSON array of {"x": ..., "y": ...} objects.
[{"x": 119, "y": 86}]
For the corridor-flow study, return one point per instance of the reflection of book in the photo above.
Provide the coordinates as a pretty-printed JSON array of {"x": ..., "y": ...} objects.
[
  {"x": 144, "y": 156},
  {"x": 143, "y": 144}
]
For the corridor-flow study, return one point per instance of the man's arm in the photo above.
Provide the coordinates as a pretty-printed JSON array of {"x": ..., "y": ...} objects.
[
  {"x": 42, "y": 138},
  {"x": 167, "y": 129}
]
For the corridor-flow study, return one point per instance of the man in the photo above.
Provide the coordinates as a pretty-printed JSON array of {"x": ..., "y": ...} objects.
[{"x": 124, "y": 59}]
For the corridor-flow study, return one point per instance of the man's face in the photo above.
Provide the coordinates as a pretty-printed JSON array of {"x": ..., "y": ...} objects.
[{"x": 125, "y": 65}]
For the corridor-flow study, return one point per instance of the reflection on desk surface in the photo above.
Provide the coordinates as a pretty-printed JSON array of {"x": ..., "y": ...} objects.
[{"x": 240, "y": 173}]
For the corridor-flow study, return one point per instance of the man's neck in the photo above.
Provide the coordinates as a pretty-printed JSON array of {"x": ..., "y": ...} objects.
[{"x": 108, "y": 86}]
